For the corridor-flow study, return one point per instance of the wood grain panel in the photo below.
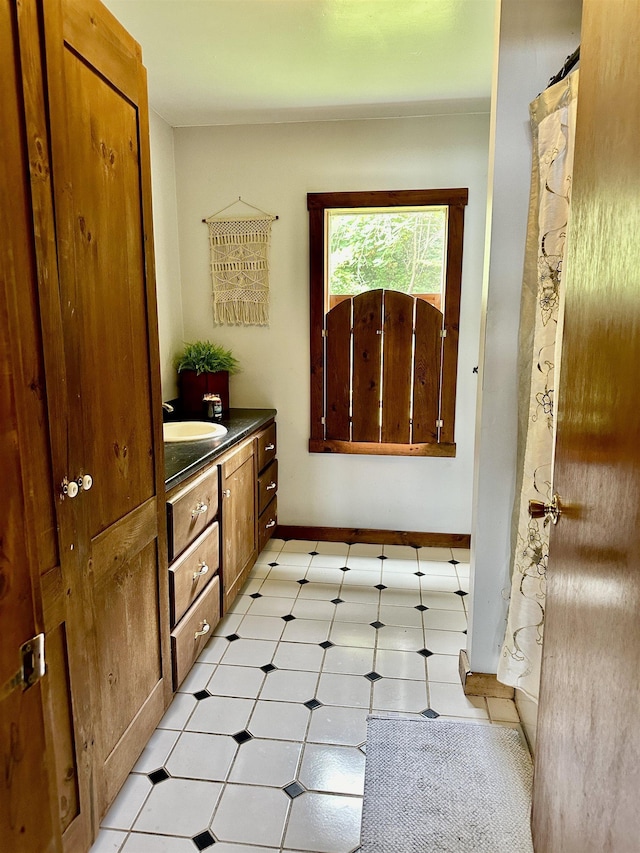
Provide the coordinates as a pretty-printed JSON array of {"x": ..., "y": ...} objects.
[
  {"x": 185, "y": 506},
  {"x": 267, "y": 485},
  {"x": 186, "y": 580},
  {"x": 382, "y": 537},
  {"x": 367, "y": 359},
  {"x": 453, "y": 291},
  {"x": 266, "y": 446},
  {"x": 238, "y": 521},
  {"x": 316, "y": 316},
  {"x": 588, "y": 742},
  {"x": 397, "y": 367},
  {"x": 109, "y": 261},
  {"x": 426, "y": 380},
  {"x": 338, "y": 372},
  {"x": 186, "y": 639},
  {"x": 267, "y": 523}
]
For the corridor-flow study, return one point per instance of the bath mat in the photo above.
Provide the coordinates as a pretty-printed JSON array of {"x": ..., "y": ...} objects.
[{"x": 437, "y": 786}]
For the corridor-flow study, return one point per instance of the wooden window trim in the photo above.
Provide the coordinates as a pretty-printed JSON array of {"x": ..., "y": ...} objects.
[{"x": 317, "y": 204}]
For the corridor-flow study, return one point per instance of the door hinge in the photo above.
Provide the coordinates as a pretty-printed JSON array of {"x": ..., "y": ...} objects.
[
  {"x": 439, "y": 424},
  {"x": 323, "y": 421},
  {"x": 443, "y": 333},
  {"x": 32, "y": 667}
]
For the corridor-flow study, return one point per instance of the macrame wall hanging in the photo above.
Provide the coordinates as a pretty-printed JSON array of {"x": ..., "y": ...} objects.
[{"x": 240, "y": 266}]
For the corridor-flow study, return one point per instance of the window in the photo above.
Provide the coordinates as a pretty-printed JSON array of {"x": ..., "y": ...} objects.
[{"x": 385, "y": 275}]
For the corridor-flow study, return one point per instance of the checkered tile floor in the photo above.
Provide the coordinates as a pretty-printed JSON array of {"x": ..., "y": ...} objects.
[{"x": 263, "y": 747}]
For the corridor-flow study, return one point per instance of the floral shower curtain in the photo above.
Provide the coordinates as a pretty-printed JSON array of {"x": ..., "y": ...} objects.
[{"x": 553, "y": 127}]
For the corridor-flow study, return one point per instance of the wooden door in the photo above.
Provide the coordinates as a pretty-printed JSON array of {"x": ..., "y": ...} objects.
[
  {"x": 239, "y": 539},
  {"x": 101, "y": 181},
  {"x": 27, "y": 530},
  {"x": 587, "y": 773}
]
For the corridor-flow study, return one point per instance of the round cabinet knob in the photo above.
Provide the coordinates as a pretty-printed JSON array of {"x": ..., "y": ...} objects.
[
  {"x": 87, "y": 482},
  {"x": 71, "y": 489}
]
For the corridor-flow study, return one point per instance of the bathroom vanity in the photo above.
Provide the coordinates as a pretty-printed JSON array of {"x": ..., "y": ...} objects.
[{"x": 221, "y": 510}]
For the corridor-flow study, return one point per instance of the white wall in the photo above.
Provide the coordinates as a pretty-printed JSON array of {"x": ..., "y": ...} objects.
[
  {"x": 535, "y": 37},
  {"x": 165, "y": 232},
  {"x": 273, "y": 167}
]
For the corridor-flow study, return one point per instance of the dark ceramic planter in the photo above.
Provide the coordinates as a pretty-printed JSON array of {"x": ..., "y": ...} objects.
[{"x": 193, "y": 386}]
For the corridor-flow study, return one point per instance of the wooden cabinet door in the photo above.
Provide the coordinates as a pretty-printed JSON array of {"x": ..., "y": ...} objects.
[
  {"x": 587, "y": 772},
  {"x": 238, "y": 520},
  {"x": 27, "y": 531},
  {"x": 100, "y": 172}
]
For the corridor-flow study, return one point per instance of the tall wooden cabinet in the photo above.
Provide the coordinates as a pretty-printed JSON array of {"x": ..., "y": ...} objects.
[{"x": 78, "y": 284}]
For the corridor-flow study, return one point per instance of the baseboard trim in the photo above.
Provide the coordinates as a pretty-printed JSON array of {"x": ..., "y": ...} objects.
[
  {"x": 481, "y": 683},
  {"x": 352, "y": 535}
]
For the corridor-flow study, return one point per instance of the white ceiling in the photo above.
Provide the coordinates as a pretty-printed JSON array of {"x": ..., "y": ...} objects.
[{"x": 250, "y": 61}]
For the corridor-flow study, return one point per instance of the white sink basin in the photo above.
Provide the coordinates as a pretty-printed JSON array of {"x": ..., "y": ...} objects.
[{"x": 192, "y": 430}]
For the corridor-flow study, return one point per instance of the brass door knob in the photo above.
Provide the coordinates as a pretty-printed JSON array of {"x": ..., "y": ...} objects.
[{"x": 551, "y": 511}]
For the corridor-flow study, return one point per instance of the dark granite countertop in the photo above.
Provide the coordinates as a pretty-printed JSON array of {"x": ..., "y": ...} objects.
[{"x": 184, "y": 458}]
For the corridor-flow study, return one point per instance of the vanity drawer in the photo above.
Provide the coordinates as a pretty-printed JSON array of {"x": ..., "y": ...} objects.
[
  {"x": 267, "y": 486},
  {"x": 193, "y": 571},
  {"x": 194, "y": 629},
  {"x": 267, "y": 523},
  {"x": 191, "y": 509},
  {"x": 266, "y": 446}
]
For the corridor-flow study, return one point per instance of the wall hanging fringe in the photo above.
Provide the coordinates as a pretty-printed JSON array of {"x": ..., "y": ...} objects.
[{"x": 240, "y": 266}]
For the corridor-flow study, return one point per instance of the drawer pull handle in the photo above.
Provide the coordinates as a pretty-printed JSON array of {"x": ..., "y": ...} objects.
[
  {"x": 270, "y": 447},
  {"x": 204, "y": 568},
  {"x": 271, "y": 486},
  {"x": 204, "y": 630},
  {"x": 199, "y": 509},
  {"x": 227, "y": 493},
  {"x": 270, "y": 524}
]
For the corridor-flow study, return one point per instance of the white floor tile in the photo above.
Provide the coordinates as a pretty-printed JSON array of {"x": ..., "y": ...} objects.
[
  {"x": 299, "y": 546},
  {"x": 444, "y": 642},
  {"x": 401, "y": 639},
  {"x": 324, "y": 823},
  {"x": 108, "y": 841},
  {"x": 310, "y": 608},
  {"x": 306, "y": 631},
  {"x": 286, "y": 573},
  {"x": 406, "y": 567},
  {"x": 351, "y": 611},
  {"x": 222, "y": 715},
  {"x": 333, "y": 724},
  {"x": 462, "y": 555},
  {"x": 333, "y": 769},
  {"x": 365, "y": 549},
  {"x": 301, "y": 656},
  {"x": 215, "y": 648},
  {"x": 156, "y": 751},
  {"x": 435, "y": 554},
  {"x": 400, "y": 552},
  {"x": 290, "y": 685},
  {"x": 442, "y": 600},
  {"x": 271, "y": 606},
  {"x": 178, "y": 712},
  {"x": 228, "y": 624},
  {"x": 280, "y": 589},
  {"x": 392, "y": 663},
  {"x": 294, "y": 558},
  {"x": 198, "y": 677},
  {"x": 443, "y": 668},
  {"x": 353, "y": 594},
  {"x": 240, "y": 681},
  {"x": 324, "y": 575},
  {"x": 274, "y": 545},
  {"x": 261, "y": 628},
  {"x": 266, "y": 762},
  {"x": 251, "y": 815},
  {"x": 223, "y": 847},
  {"x": 400, "y": 597},
  {"x": 202, "y": 756},
  {"x": 353, "y": 634},
  {"x": 403, "y": 617},
  {"x": 349, "y": 660},
  {"x": 338, "y": 548},
  {"x": 128, "y": 803},
  {"x": 328, "y": 561},
  {"x": 440, "y": 568},
  {"x": 142, "y": 842},
  {"x": 400, "y": 580},
  {"x": 445, "y": 620},
  {"x": 250, "y": 652},
  {"x": 439, "y": 583},
  {"x": 279, "y": 720},
  {"x": 179, "y": 807},
  {"x": 319, "y": 591},
  {"x": 364, "y": 564},
  {"x": 449, "y": 699},
  {"x": 361, "y": 578},
  {"x": 352, "y": 691},
  {"x": 395, "y": 694}
]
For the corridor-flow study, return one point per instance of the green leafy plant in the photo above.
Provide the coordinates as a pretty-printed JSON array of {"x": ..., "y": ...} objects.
[{"x": 206, "y": 357}]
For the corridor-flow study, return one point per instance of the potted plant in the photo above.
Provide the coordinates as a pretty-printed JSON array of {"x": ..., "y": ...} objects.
[{"x": 204, "y": 368}]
